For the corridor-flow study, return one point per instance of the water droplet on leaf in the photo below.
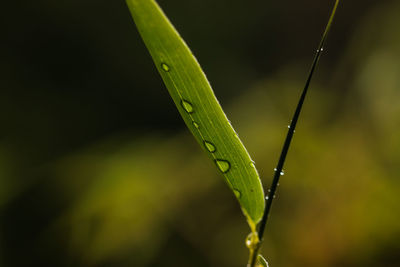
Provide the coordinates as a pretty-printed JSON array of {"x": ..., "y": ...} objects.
[
  {"x": 196, "y": 125},
  {"x": 237, "y": 193},
  {"x": 165, "y": 67},
  {"x": 210, "y": 146},
  {"x": 187, "y": 106},
  {"x": 223, "y": 165}
]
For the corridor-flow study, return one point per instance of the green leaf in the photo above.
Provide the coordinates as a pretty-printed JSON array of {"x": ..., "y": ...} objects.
[
  {"x": 262, "y": 261},
  {"x": 196, "y": 102}
]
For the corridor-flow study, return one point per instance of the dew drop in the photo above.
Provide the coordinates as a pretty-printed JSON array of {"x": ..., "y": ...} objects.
[
  {"x": 196, "y": 125},
  {"x": 248, "y": 240},
  {"x": 237, "y": 193},
  {"x": 267, "y": 197},
  {"x": 252, "y": 241},
  {"x": 282, "y": 173},
  {"x": 210, "y": 146},
  {"x": 223, "y": 165},
  {"x": 165, "y": 67},
  {"x": 275, "y": 169},
  {"x": 187, "y": 106}
]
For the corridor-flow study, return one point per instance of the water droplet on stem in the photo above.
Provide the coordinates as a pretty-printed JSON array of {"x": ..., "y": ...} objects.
[{"x": 252, "y": 241}]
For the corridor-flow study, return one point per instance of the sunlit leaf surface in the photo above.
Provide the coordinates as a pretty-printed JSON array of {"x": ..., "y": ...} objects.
[{"x": 195, "y": 100}]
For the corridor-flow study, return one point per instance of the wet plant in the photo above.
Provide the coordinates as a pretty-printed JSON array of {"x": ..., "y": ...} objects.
[{"x": 199, "y": 108}]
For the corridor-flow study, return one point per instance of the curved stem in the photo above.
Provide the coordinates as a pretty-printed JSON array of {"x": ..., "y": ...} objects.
[{"x": 289, "y": 136}]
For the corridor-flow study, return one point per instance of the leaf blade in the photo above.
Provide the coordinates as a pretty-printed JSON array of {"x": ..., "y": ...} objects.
[
  {"x": 198, "y": 106},
  {"x": 262, "y": 261}
]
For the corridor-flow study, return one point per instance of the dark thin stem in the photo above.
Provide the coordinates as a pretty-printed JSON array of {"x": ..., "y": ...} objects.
[{"x": 289, "y": 136}]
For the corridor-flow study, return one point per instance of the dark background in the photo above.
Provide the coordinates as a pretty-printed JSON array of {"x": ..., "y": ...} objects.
[{"x": 98, "y": 169}]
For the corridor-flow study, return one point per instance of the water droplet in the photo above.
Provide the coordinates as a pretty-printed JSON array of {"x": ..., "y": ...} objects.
[
  {"x": 223, "y": 165},
  {"x": 282, "y": 173},
  {"x": 248, "y": 240},
  {"x": 288, "y": 126},
  {"x": 237, "y": 193},
  {"x": 196, "y": 125},
  {"x": 165, "y": 67},
  {"x": 252, "y": 240},
  {"x": 210, "y": 146},
  {"x": 275, "y": 169},
  {"x": 187, "y": 106},
  {"x": 267, "y": 197},
  {"x": 269, "y": 190}
]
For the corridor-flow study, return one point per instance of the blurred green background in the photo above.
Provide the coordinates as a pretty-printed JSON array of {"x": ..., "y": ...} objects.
[{"x": 98, "y": 169}]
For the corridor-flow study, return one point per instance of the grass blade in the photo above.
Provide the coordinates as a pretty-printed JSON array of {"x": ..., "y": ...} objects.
[
  {"x": 292, "y": 126},
  {"x": 289, "y": 136},
  {"x": 196, "y": 102},
  {"x": 262, "y": 261}
]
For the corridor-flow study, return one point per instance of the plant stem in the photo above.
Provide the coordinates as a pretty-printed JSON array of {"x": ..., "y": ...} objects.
[{"x": 289, "y": 136}]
